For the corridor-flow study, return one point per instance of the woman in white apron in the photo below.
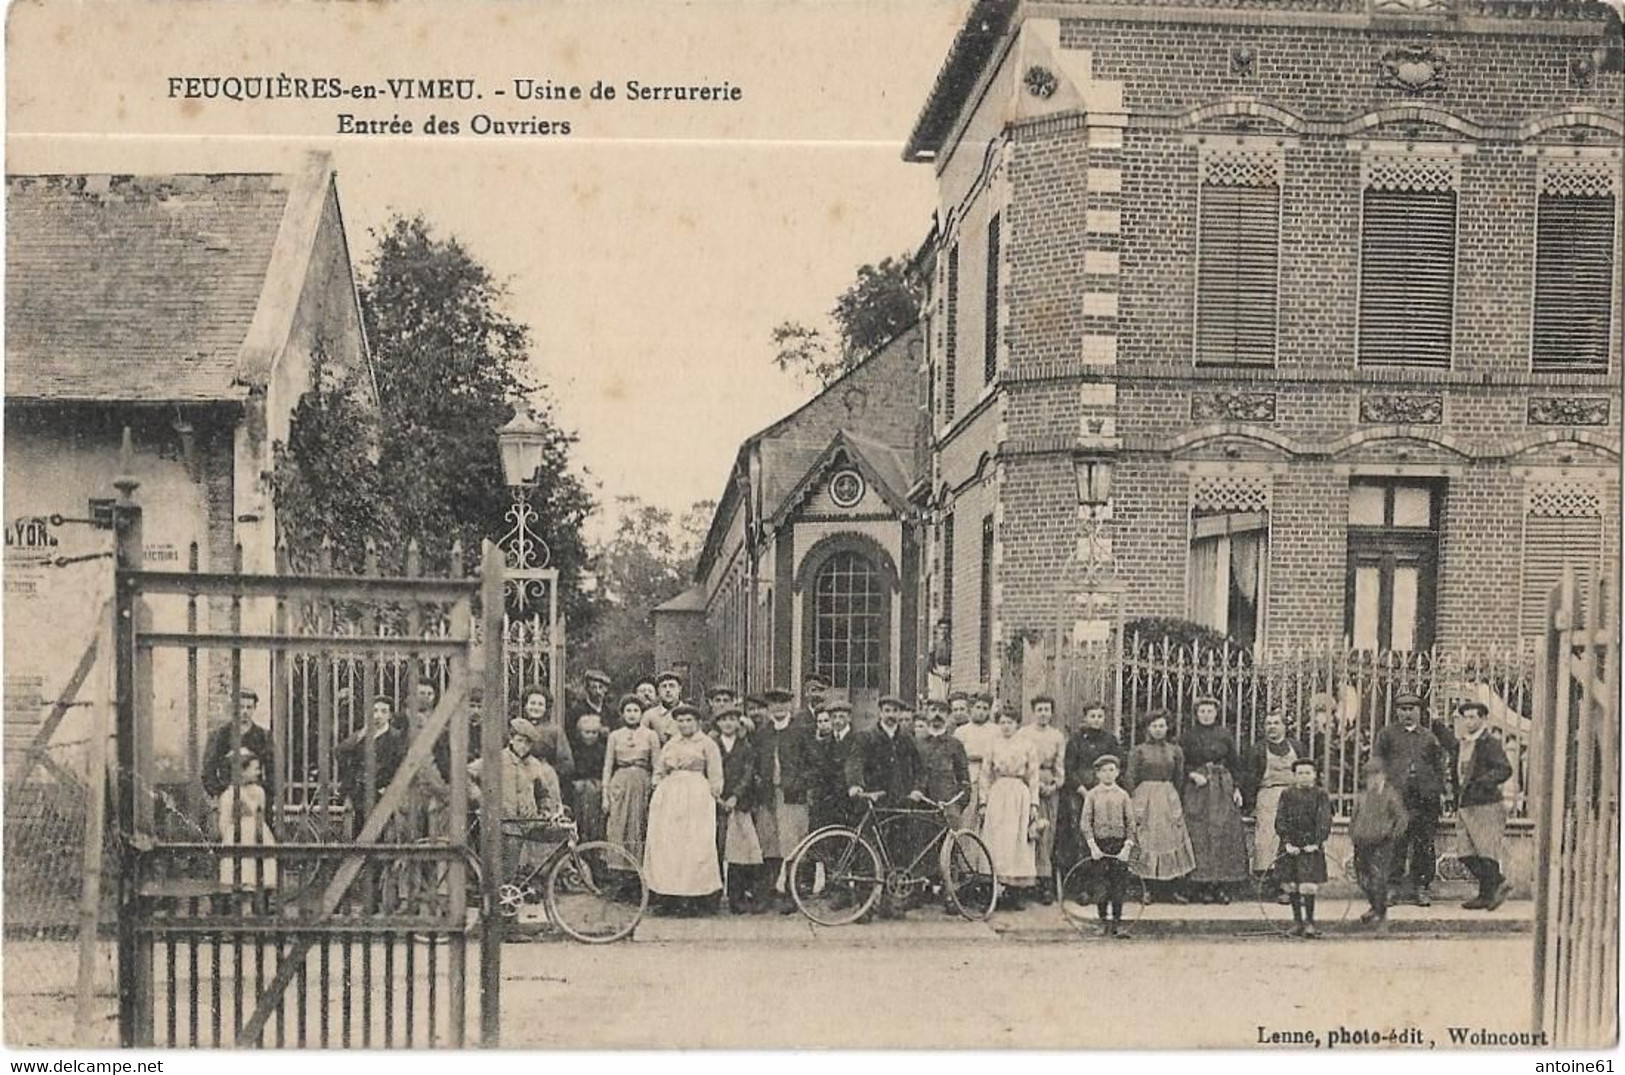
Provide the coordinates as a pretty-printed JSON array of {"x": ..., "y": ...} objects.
[{"x": 1270, "y": 774}]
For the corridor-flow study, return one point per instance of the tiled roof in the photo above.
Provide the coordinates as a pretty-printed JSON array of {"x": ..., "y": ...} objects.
[
  {"x": 142, "y": 288},
  {"x": 692, "y": 599}
]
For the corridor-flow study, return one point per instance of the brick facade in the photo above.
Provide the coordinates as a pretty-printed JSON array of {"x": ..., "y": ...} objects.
[{"x": 1099, "y": 187}]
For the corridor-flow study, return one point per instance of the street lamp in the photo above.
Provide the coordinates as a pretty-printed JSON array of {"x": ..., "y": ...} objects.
[
  {"x": 522, "y": 443},
  {"x": 1094, "y": 474}
]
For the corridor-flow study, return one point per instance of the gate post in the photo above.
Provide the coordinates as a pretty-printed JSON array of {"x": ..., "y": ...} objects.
[
  {"x": 134, "y": 977},
  {"x": 492, "y": 741}
]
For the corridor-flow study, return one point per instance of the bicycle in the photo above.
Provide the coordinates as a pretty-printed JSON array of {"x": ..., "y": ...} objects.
[
  {"x": 594, "y": 891},
  {"x": 858, "y": 865}
]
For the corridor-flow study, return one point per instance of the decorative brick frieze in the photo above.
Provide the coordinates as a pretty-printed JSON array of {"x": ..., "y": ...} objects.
[
  {"x": 1402, "y": 410},
  {"x": 1256, "y": 407},
  {"x": 1568, "y": 411}
]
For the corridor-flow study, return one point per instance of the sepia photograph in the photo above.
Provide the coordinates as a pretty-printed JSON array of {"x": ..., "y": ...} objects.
[{"x": 813, "y": 524}]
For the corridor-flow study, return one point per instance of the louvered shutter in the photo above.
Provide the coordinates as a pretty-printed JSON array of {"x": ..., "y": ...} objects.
[
  {"x": 951, "y": 358},
  {"x": 1574, "y": 278},
  {"x": 1407, "y": 277},
  {"x": 1238, "y": 248},
  {"x": 1550, "y": 543},
  {"x": 990, "y": 360}
]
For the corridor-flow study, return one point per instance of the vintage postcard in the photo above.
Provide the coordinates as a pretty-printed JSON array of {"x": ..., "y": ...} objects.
[{"x": 966, "y": 507}]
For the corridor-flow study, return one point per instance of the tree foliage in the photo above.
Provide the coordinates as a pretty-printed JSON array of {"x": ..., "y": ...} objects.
[
  {"x": 884, "y": 300},
  {"x": 451, "y": 366},
  {"x": 648, "y": 561}
]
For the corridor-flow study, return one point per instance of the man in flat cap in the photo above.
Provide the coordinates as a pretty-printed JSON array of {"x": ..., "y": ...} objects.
[
  {"x": 885, "y": 760},
  {"x": 719, "y": 697},
  {"x": 813, "y": 689},
  {"x": 785, "y": 771},
  {"x": 829, "y": 804},
  {"x": 1416, "y": 765},
  {"x": 1481, "y": 818},
  {"x": 593, "y": 698}
]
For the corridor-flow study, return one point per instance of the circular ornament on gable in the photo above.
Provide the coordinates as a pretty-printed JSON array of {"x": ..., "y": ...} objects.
[{"x": 846, "y": 488}]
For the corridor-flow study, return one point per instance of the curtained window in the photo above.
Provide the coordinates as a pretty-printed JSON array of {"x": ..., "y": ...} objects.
[{"x": 1229, "y": 558}]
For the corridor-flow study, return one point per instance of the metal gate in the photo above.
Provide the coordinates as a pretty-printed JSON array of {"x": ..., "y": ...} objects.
[
  {"x": 1575, "y": 781},
  {"x": 532, "y": 630},
  {"x": 337, "y": 913}
]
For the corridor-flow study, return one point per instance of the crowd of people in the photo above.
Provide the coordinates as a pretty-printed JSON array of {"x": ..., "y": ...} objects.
[{"x": 712, "y": 799}]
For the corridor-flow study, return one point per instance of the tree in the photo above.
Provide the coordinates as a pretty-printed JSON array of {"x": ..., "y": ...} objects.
[
  {"x": 325, "y": 480},
  {"x": 649, "y": 560},
  {"x": 883, "y": 301},
  {"x": 451, "y": 367}
]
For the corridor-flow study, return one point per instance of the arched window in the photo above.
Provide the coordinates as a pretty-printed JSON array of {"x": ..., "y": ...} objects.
[{"x": 849, "y": 621}]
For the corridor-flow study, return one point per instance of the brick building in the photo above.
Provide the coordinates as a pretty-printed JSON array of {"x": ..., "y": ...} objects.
[
  {"x": 813, "y": 556},
  {"x": 185, "y": 309},
  {"x": 1298, "y": 319}
]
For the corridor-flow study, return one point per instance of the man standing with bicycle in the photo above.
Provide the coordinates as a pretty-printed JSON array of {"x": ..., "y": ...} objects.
[{"x": 885, "y": 766}]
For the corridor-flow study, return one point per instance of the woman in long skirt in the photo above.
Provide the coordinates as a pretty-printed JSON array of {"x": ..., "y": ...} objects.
[
  {"x": 680, "y": 857},
  {"x": 1008, "y": 782},
  {"x": 1212, "y": 805},
  {"x": 629, "y": 761},
  {"x": 1162, "y": 850}
]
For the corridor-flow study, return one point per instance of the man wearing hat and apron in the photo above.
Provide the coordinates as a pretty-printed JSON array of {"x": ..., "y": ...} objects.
[
  {"x": 785, "y": 770},
  {"x": 1481, "y": 817},
  {"x": 1415, "y": 763}
]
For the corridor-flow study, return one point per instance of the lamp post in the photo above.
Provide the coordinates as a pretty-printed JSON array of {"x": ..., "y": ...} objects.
[
  {"x": 522, "y": 443},
  {"x": 1092, "y": 473}
]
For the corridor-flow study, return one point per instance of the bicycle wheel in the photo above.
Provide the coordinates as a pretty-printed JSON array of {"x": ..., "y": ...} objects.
[
  {"x": 595, "y": 893},
  {"x": 852, "y": 878},
  {"x": 967, "y": 875}
]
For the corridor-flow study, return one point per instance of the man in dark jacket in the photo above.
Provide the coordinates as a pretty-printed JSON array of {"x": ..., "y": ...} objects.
[
  {"x": 785, "y": 769},
  {"x": 1416, "y": 764},
  {"x": 947, "y": 770},
  {"x": 886, "y": 763},
  {"x": 886, "y": 760},
  {"x": 1482, "y": 815},
  {"x": 828, "y": 803},
  {"x": 217, "y": 755}
]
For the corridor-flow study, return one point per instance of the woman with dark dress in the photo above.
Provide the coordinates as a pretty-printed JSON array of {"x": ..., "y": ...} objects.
[
  {"x": 1303, "y": 822},
  {"x": 1212, "y": 805},
  {"x": 1162, "y": 848}
]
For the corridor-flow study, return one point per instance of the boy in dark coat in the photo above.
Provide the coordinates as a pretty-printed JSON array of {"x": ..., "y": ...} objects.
[{"x": 1376, "y": 825}]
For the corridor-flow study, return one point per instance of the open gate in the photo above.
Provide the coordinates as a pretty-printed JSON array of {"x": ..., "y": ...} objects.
[
  {"x": 1575, "y": 781},
  {"x": 334, "y": 913}
]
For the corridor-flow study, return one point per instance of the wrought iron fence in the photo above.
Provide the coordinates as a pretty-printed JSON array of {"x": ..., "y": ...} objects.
[{"x": 1333, "y": 699}]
